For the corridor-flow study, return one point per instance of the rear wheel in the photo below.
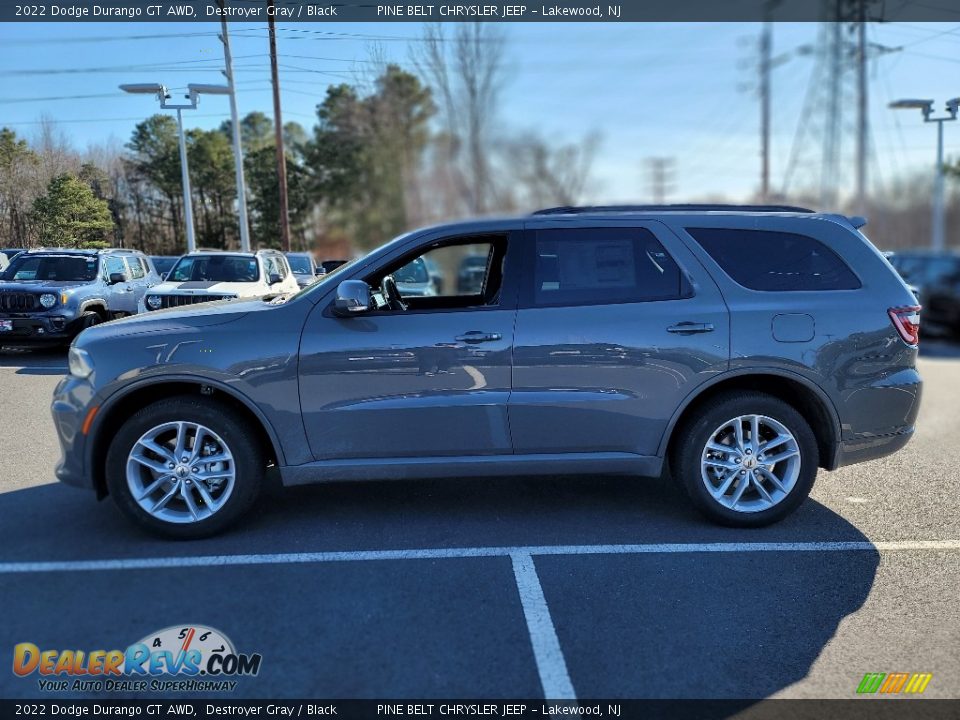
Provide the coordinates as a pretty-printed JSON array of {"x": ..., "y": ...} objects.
[
  {"x": 746, "y": 460},
  {"x": 185, "y": 468}
]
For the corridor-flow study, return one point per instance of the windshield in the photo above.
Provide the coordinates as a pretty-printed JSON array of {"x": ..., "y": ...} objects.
[
  {"x": 300, "y": 264},
  {"x": 63, "y": 268},
  {"x": 412, "y": 272},
  {"x": 163, "y": 264},
  {"x": 215, "y": 268}
]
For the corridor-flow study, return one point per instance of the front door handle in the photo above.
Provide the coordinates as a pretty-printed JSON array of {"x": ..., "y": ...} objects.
[
  {"x": 690, "y": 328},
  {"x": 475, "y": 336}
]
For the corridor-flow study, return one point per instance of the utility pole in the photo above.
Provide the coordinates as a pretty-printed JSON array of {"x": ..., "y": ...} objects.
[
  {"x": 278, "y": 133},
  {"x": 235, "y": 123},
  {"x": 862, "y": 127},
  {"x": 766, "y": 42},
  {"x": 660, "y": 171}
]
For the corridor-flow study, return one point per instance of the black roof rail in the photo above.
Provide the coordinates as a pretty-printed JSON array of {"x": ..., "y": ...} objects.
[{"x": 682, "y": 207}]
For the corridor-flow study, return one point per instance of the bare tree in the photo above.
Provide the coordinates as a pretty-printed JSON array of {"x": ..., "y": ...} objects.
[
  {"x": 545, "y": 175},
  {"x": 465, "y": 73}
]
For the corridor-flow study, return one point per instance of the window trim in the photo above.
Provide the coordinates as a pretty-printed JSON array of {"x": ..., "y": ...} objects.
[
  {"x": 709, "y": 257},
  {"x": 509, "y": 289},
  {"x": 528, "y": 293}
]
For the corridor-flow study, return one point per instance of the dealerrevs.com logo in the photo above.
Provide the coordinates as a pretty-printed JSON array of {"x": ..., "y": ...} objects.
[{"x": 175, "y": 659}]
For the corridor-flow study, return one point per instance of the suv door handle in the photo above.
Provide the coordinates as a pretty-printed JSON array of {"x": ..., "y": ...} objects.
[
  {"x": 690, "y": 328},
  {"x": 475, "y": 336}
]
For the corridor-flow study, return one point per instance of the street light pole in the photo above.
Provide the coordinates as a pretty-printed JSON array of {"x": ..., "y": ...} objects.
[
  {"x": 187, "y": 199},
  {"x": 163, "y": 95},
  {"x": 235, "y": 127},
  {"x": 938, "y": 219}
]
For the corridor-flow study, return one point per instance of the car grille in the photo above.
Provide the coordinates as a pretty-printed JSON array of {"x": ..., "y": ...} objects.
[
  {"x": 168, "y": 301},
  {"x": 18, "y": 301}
]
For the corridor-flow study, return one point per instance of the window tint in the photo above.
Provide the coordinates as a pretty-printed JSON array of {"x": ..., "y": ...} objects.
[
  {"x": 775, "y": 261},
  {"x": 604, "y": 265}
]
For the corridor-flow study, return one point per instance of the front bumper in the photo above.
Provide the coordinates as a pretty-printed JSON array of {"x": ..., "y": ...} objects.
[
  {"x": 39, "y": 329},
  {"x": 72, "y": 403}
]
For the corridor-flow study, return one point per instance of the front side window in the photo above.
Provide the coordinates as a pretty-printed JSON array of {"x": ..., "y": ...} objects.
[
  {"x": 775, "y": 261},
  {"x": 604, "y": 265},
  {"x": 459, "y": 274},
  {"x": 115, "y": 265},
  {"x": 68, "y": 268},
  {"x": 215, "y": 268}
]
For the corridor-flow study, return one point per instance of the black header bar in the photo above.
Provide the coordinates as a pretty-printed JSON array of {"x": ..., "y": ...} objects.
[{"x": 514, "y": 11}]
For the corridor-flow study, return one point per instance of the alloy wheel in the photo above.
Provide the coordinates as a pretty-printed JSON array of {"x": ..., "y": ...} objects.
[
  {"x": 750, "y": 463},
  {"x": 180, "y": 472}
]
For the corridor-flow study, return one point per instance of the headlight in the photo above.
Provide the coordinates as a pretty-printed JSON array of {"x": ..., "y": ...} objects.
[
  {"x": 48, "y": 300},
  {"x": 154, "y": 302},
  {"x": 81, "y": 365}
]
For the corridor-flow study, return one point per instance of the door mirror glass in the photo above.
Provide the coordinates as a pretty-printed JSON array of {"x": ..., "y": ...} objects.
[
  {"x": 275, "y": 278},
  {"x": 353, "y": 296},
  {"x": 117, "y": 277}
]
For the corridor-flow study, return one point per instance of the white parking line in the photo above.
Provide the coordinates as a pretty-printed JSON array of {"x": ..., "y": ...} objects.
[
  {"x": 543, "y": 636},
  {"x": 468, "y": 552}
]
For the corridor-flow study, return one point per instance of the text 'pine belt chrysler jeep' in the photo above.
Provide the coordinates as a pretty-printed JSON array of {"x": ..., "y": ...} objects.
[{"x": 743, "y": 348}]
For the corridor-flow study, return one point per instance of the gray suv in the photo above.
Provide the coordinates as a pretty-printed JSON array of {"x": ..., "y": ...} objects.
[
  {"x": 745, "y": 346},
  {"x": 48, "y": 296}
]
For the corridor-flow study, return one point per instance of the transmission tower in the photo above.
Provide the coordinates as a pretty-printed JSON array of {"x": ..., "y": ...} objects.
[{"x": 838, "y": 81}]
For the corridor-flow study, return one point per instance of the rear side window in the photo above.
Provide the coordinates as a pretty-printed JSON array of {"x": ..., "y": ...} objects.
[
  {"x": 136, "y": 268},
  {"x": 604, "y": 265},
  {"x": 775, "y": 261}
]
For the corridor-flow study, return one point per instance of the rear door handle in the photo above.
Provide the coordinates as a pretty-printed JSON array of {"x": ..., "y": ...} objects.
[
  {"x": 690, "y": 328},
  {"x": 475, "y": 336}
]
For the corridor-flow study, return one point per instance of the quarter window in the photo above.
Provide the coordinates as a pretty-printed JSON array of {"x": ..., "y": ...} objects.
[
  {"x": 604, "y": 265},
  {"x": 775, "y": 261}
]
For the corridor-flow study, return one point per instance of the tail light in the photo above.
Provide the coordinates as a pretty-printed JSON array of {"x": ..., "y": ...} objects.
[{"x": 907, "y": 322}]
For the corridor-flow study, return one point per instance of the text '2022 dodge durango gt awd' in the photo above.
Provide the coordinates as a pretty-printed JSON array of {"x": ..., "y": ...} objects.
[{"x": 746, "y": 346}]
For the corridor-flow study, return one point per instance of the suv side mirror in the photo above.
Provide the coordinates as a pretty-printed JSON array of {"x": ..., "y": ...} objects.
[
  {"x": 318, "y": 271},
  {"x": 353, "y": 296},
  {"x": 116, "y": 278},
  {"x": 274, "y": 278}
]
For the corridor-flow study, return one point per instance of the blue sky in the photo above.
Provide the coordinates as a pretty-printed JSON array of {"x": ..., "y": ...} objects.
[{"x": 647, "y": 89}]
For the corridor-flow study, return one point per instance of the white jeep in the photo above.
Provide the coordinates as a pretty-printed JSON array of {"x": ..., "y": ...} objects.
[{"x": 205, "y": 276}]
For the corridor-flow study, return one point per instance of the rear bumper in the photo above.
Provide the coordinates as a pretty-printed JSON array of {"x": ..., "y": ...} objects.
[
  {"x": 851, "y": 452},
  {"x": 880, "y": 418}
]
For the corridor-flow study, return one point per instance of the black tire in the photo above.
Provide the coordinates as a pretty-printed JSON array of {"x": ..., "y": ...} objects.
[
  {"x": 693, "y": 436},
  {"x": 239, "y": 436}
]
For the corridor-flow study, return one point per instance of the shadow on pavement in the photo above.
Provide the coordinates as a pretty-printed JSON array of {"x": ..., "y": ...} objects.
[{"x": 665, "y": 625}]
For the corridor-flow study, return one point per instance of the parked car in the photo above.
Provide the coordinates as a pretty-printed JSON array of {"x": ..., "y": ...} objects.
[
  {"x": 472, "y": 271},
  {"x": 746, "y": 347},
  {"x": 164, "y": 263},
  {"x": 6, "y": 255},
  {"x": 413, "y": 279},
  {"x": 935, "y": 278},
  {"x": 48, "y": 296},
  {"x": 922, "y": 269},
  {"x": 304, "y": 267},
  {"x": 207, "y": 276},
  {"x": 330, "y": 265}
]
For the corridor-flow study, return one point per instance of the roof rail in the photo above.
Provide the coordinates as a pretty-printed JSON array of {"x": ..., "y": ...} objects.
[{"x": 682, "y": 207}]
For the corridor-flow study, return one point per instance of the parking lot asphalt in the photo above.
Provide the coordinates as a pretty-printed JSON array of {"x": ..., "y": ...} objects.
[{"x": 497, "y": 588}]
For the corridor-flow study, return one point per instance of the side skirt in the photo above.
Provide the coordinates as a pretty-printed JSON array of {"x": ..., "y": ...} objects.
[{"x": 472, "y": 466}]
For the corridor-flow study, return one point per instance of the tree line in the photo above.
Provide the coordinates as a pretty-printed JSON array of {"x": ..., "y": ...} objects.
[{"x": 396, "y": 148}]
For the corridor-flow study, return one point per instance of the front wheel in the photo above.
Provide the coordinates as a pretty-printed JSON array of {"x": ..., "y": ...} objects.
[
  {"x": 185, "y": 467},
  {"x": 746, "y": 460}
]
